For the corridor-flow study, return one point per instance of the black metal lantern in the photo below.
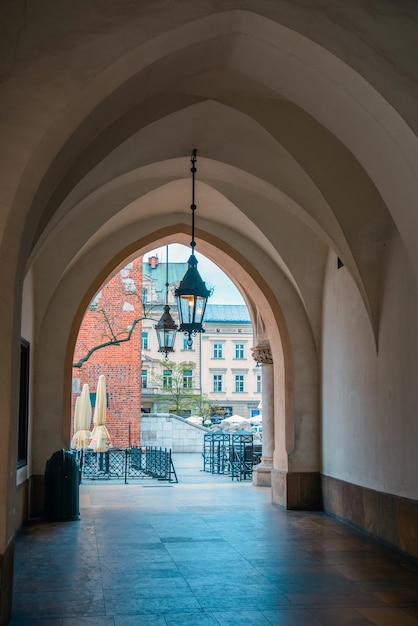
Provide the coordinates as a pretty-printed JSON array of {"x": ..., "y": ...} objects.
[
  {"x": 192, "y": 293},
  {"x": 166, "y": 332},
  {"x": 166, "y": 327}
]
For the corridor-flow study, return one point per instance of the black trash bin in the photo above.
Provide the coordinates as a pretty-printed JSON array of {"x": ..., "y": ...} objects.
[{"x": 62, "y": 485}]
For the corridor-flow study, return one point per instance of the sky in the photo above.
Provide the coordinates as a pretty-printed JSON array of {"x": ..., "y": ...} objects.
[{"x": 224, "y": 291}]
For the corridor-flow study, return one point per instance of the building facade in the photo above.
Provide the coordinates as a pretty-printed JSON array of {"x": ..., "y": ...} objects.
[
  {"x": 219, "y": 364},
  {"x": 114, "y": 317},
  {"x": 163, "y": 379},
  {"x": 230, "y": 376}
]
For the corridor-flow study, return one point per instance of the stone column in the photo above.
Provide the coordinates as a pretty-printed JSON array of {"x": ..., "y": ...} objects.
[{"x": 262, "y": 473}]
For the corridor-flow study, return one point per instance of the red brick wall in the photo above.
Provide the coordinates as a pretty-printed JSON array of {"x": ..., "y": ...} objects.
[{"x": 121, "y": 365}]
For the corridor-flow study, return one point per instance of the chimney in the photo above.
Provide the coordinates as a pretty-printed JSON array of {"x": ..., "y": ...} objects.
[{"x": 153, "y": 261}]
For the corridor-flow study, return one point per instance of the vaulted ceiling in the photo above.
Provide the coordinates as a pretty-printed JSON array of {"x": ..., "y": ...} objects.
[{"x": 301, "y": 151}]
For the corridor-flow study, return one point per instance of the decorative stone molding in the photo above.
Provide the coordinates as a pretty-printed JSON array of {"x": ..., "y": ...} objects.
[
  {"x": 262, "y": 475},
  {"x": 262, "y": 354}
]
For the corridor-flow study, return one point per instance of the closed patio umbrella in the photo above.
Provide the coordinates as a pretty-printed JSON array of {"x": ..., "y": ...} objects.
[
  {"x": 82, "y": 420},
  {"x": 100, "y": 438}
]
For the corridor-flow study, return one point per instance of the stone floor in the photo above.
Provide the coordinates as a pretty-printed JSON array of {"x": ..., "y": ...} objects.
[{"x": 205, "y": 552}]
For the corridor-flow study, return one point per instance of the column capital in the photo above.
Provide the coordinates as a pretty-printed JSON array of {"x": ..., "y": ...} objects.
[{"x": 262, "y": 354}]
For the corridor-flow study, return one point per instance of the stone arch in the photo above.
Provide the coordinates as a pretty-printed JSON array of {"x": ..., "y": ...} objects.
[
  {"x": 299, "y": 59},
  {"x": 62, "y": 145},
  {"x": 361, "y": 96},
  {"x": 54, "y": 369},
  {"x": 259, "y": 36}
]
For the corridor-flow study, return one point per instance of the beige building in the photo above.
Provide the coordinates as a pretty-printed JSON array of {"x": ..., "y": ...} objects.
[
  {"x": 304, "y": 116},
  {"x": 231, "y": 377},
  {"x": 156, "y": 371},
  {"x": 218, "y": 365}
]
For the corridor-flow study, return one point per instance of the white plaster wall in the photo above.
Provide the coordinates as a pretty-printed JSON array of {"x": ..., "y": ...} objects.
[
  {"x": 370, "y": 394},
  {"x": 169, "y": 431}
]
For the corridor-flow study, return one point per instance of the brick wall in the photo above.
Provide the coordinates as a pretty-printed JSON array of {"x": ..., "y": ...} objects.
[{"x": 120, "y": 364}]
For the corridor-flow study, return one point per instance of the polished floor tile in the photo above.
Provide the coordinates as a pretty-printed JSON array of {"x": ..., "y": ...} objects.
[{"x": 205, "y": 552}]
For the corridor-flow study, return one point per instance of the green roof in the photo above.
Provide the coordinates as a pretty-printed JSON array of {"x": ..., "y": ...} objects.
[
  {"x": 229, "y": 313},
  {"x": 176, "y": 272},
  {"x": 226, "y": 313}
]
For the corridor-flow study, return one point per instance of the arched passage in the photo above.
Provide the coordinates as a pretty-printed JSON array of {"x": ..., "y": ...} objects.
[
  {"x": 310, "y": 133},
  {"x": 110, "y": 149},
  {"x": 107, "y": 175},
  {"x": 287, "y": 337}
]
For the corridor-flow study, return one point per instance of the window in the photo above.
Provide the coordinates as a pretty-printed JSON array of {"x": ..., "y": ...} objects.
[
  {"x": 239, "y": 383},
  {"x": 144, "y": 379},
  {"x": 93, "y": 397},
  {"x": 217, "y": 383},
  {"x": 187, "y": 379},
  {"x": 217, "y": 351},
  {"x": 167, "y": 379},
  {"x": 22, "y": 445},
  {"x": 258, "y": 383},
  {"x": 145, "y": 344},
  {"x": 185, "y": 343},
  {"x": 239, "y": 350},
  {"x": 144, "y": 294}
]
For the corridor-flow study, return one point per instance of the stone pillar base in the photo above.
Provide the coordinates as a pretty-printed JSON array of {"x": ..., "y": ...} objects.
[
  {"x": 297, "y": 490},
  {"x": 262, "y": 475},
  {"x": 6, "y": 584}
]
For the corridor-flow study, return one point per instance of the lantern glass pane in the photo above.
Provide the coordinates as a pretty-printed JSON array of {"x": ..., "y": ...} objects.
[
  {"x": 169, "y": 338},
  {"x": 200, "y": 309},
  {"x": 191, "y": 309},
  {"x": 166, "y": 338},
  {"x": 186, "y": 308}
]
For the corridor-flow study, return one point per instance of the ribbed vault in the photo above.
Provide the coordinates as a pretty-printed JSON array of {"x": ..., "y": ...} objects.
[{"x": 301, "y": 160}]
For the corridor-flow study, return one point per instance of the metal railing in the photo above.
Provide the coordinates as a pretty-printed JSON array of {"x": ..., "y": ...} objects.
[
  {"x": 234, "y": 454},
  {"x": 127, "y": 464}
]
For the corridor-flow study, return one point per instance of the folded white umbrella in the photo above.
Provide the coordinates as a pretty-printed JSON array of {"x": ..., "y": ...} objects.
[
  {"x": 82, "y": 420},
  {"x": 100, "y": 438}
]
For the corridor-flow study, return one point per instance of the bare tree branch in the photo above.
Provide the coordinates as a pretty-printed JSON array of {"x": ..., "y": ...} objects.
[
  {"x": 114, "y": 337},
  {"x": 116, "y": 341}
]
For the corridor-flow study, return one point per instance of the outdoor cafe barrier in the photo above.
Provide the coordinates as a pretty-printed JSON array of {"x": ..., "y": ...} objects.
[
  {"x": 235, "y": 454},
  {"x": 216, "y": 457},
  {"x": 127, "y": 464}
]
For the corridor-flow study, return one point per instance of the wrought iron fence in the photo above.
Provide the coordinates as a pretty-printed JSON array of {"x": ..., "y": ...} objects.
[
  {"x": 127, "y": 465},
  {"x": 235, "y": 454}
]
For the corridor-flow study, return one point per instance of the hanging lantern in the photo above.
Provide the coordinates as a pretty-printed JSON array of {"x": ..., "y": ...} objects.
[
  {"x": 166, "y": 332},
  {"x": 192, "y": 293}
]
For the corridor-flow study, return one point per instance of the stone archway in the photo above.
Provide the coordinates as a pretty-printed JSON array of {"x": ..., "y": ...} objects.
[
  {"x": 138, "y": 175},
  {"x": 309, "y": 133},
  {"x": 53, "y": 368}
]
